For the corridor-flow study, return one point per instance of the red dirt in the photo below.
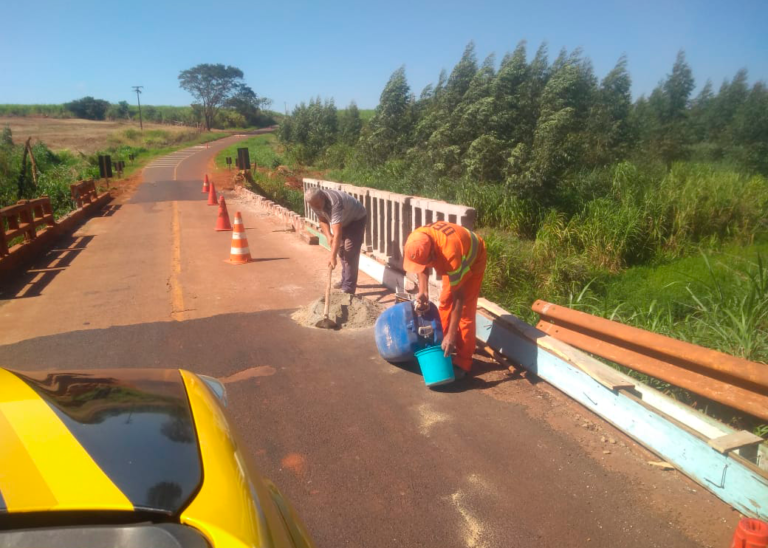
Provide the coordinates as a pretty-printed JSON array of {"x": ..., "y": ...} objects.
[
  {"x": 295, "y": 463},
  {"x": 222, "y": 178}
]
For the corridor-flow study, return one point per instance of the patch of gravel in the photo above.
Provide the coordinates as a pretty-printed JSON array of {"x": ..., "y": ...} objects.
[{"x": 348, "y": 311}]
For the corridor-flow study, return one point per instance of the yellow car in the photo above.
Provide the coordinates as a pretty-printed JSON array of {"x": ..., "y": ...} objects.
[{"x": 130, "y": 458}]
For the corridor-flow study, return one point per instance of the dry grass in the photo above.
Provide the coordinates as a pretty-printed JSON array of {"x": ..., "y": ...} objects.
[{"x": 86, "y": 136}]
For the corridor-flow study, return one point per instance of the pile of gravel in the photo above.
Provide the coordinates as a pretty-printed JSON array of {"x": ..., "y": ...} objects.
[{"x": 348, "y": 311}]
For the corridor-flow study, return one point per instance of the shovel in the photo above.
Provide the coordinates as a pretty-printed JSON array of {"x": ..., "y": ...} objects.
[{"x": 326, "y": 322}]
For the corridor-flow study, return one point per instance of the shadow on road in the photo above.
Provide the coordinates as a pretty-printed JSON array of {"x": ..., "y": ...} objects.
[
  {"x": 110, "y": 210},
  {"x": 36, "y": 278}
]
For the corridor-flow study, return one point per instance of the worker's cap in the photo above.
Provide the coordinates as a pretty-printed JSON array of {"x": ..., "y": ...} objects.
[{"x": 416, "y": 252}]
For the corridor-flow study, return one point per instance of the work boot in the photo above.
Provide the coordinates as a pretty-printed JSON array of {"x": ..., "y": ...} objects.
[
  {"x": 459, "y": 373},
  {"x": 337, "y": 285}
]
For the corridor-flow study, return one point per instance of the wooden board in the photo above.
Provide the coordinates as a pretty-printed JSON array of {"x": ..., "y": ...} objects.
[
  {"x": 737, "y": 440},
  {"x": 604, "y": 374}
]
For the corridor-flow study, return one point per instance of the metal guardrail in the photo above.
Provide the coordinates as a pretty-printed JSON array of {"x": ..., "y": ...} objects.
[
  {"x": 732, "y": 381},
  {"x": 24, "y": 218},
  {"x": 392, "y": 217}
]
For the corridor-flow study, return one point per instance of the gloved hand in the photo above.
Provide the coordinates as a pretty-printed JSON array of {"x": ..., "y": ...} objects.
[{"x": 421, "y": 303}]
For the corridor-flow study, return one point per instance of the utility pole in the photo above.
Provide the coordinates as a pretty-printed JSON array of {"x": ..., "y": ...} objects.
[{"x": 137, "y": 89}]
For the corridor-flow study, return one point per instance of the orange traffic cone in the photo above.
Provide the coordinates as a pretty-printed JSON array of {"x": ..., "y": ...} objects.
[
  {"x": 750, "y": 533},
  {"x": 212, "y": 195},
  {"x": 239, "y": 253},
  {"x": 205, "y": 184},
  {"x": 222, "y": 222}
]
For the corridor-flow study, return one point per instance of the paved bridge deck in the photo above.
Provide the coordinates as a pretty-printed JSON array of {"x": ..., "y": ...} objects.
[{"x": 368, "y": 455}]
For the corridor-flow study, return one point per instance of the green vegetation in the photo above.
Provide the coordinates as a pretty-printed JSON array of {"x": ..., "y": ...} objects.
[
  {"x": 56, "y": 171},
  {"x": 50, "y": 111},
  {"x": 226, "y": 118},
  {"x": 217, "y": 86},
  {"x": 90, "y": 108},
  {"x": 271, "y": 181},
  {"x": 261, "y": 149}
]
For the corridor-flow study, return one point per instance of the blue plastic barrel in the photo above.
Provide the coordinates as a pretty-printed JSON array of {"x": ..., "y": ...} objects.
[
  {"x": 397, "y": 331},
  {"x": 436, "y": 367}
]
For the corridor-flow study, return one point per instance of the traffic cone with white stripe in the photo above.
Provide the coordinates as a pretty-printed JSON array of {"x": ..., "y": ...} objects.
[
  {"x": 205, "y": 184},
  {"x": 239, "y": 252},
  {"x": 222, "y": 222},
  {"x": 212, "y": 195}
]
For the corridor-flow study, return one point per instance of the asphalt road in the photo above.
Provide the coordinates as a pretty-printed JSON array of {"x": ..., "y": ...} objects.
[{"x": 367, "y": 454}]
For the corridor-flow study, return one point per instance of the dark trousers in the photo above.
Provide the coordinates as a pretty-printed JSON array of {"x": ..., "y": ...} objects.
[{"x": 349, "y": 252}]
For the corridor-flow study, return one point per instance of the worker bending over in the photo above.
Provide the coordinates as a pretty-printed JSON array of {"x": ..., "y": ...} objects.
[
  {"x": 458, "y": 255},
  {"x": 342, "y": 221}
]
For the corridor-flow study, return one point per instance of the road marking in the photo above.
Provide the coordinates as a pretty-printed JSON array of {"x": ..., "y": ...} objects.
[
  {"x": 177, "y": 165},
  {"x": 177, "y": 297}
]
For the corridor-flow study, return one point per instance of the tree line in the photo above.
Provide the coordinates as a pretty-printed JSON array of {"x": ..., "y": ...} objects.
[{"x": 528, "y": 125}]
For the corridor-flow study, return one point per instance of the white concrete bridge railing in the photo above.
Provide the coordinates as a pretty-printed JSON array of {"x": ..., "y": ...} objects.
[{"x": 391, "y": 218}]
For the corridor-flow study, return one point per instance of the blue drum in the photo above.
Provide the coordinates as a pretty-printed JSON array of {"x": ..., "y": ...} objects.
[{"x": 400, "y": 332}]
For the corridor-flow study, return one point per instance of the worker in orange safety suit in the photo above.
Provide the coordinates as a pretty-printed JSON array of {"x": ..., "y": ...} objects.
[{"x": 458, "y": 255}]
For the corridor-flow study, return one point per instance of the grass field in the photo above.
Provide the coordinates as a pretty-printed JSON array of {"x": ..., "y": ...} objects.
[{"x": 73, "y": 134}]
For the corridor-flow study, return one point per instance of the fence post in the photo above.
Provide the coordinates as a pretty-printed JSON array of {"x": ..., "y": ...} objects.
[
  {"x": 75, "y": 191},
  {"x": 26, "y": 216},
  {"x": 3, "y": 242},
  {"x": 48, "y": 212}
]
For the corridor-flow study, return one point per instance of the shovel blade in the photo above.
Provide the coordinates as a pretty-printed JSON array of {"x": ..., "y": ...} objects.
[{"x": 326, "y": 323}]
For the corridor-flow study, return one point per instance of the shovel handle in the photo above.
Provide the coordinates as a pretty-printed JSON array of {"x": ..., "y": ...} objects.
[{"x": 328, "y": 293}]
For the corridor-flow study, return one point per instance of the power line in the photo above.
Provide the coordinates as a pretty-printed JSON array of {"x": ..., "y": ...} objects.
[{"x": 137, "y": 89}]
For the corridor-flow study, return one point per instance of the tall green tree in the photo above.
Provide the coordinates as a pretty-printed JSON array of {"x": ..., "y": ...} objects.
[
  {"x": 350, "y": 124},
  {"x": 388, "y": 132},
  {"x": 609, "y": 129},
  {"x": 248, "y": 104},
  {"x": 561, "y": 137},
  {"x": 671, "y": 134},
  {"x": 211, "y": 86},
  {"x": 510, "y": 90},
  {"x": 751, "y": 129}
]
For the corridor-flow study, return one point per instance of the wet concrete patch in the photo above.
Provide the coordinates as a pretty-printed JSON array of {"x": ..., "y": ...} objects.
[{"x": 348, "y": 311}]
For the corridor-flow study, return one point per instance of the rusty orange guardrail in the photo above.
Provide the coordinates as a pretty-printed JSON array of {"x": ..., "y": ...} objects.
[
  {"x": 24, "y": 218},
  {"x": 735, "y": 382}
]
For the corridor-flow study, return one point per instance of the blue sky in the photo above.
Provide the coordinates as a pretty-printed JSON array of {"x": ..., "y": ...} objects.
[{"x": 291, "y": 51}]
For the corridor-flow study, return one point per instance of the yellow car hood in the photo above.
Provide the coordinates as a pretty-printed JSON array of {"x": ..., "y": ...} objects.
[{"x": 116, "y": 440}]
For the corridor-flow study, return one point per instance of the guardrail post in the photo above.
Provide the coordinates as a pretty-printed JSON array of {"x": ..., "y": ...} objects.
[
  {"x": 26, "y": 217},
  {"x": 48, "y": 212},
  {"x": 75, "y": 191},
  {"x": 3, "y": 241}
]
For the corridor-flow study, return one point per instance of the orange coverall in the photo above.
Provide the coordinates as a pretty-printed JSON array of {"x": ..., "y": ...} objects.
[{"x": 460, "y": 260}]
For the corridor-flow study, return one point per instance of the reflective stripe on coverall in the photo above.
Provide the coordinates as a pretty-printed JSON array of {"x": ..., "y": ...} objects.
[{"x": 460, "y": 259}]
